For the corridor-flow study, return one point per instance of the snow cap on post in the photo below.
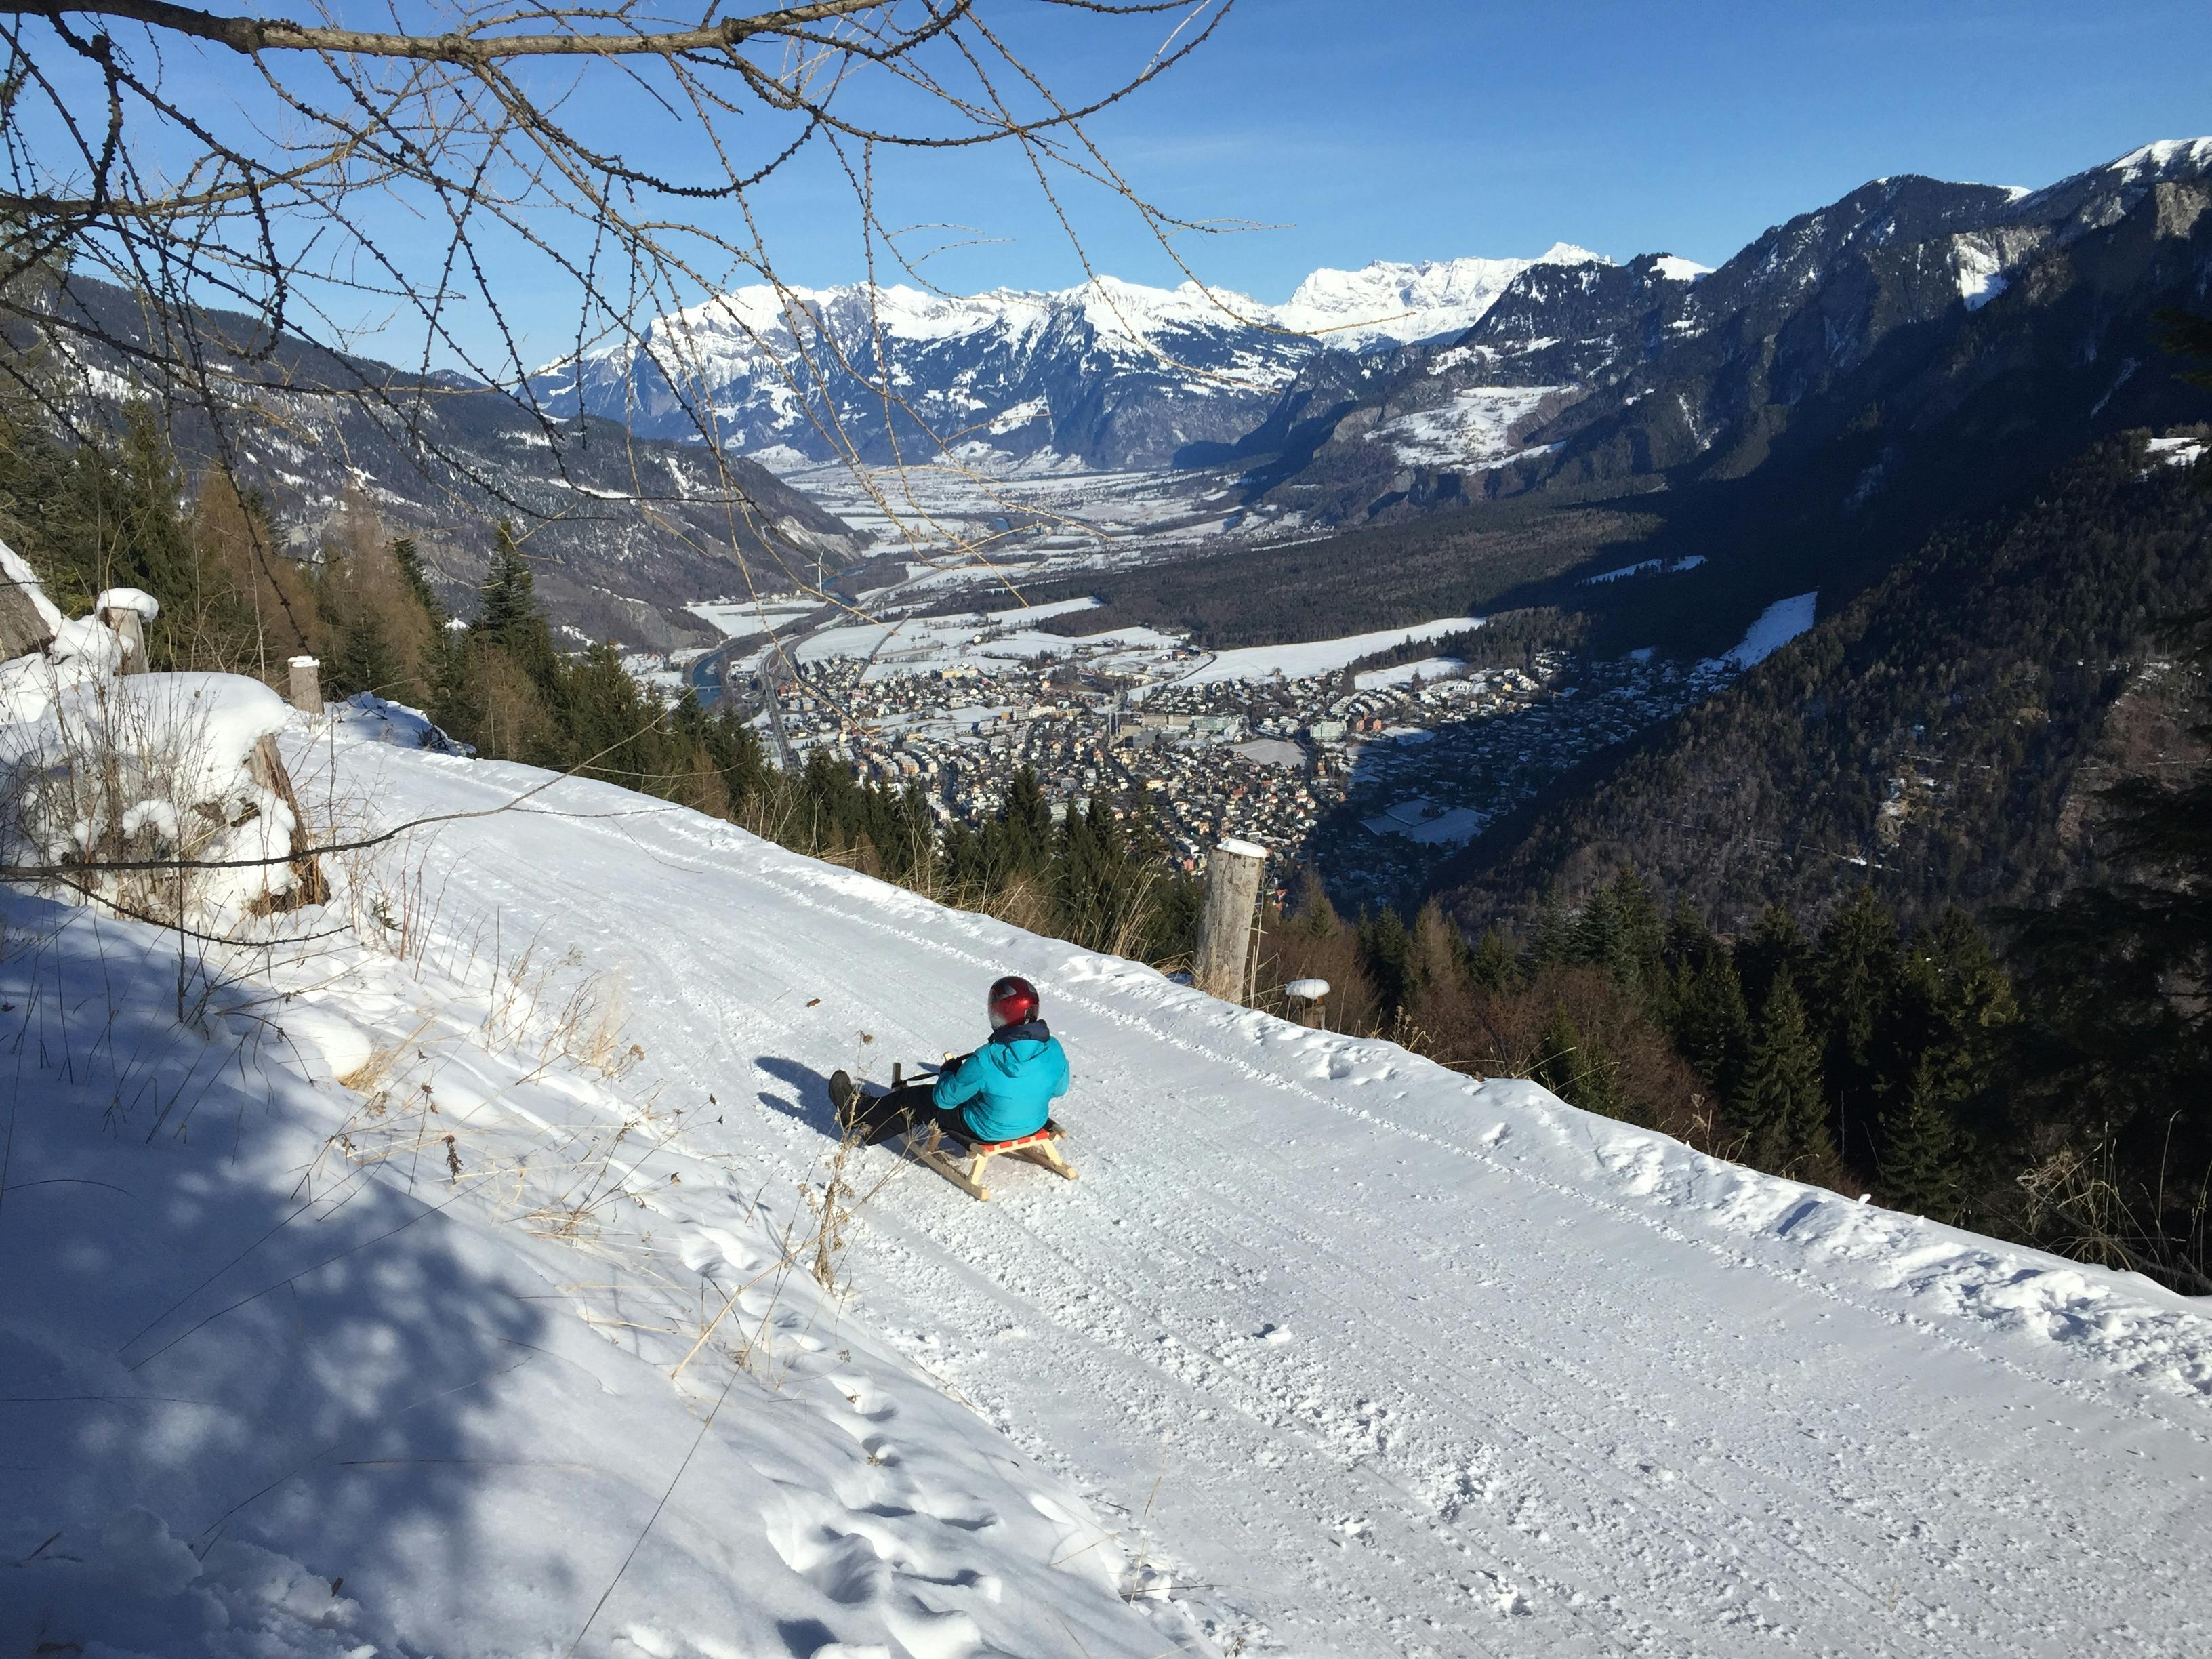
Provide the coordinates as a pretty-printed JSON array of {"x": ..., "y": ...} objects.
[
  {"x": 125, "y": 611},
  {"x": 135, "y": 601},
  {"x": 1305, "y": 997}
]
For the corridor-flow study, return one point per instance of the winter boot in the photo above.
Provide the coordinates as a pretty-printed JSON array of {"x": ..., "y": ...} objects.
[{"x": 845, "y": 1096}]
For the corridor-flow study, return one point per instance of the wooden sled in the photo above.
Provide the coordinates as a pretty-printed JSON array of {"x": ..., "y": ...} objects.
[{"x": 1036, "y": 1149}]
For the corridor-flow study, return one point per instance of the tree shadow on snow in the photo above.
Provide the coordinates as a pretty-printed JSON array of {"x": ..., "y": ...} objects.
[{"x": 210, "y": 1313}]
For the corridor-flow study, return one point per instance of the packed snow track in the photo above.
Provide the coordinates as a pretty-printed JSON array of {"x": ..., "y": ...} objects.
[{"x": 1371, "y": 1358}]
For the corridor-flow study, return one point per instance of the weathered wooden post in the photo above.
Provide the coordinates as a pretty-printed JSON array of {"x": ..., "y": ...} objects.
[
  {"x": 307, "y": 685},
  {"x": 1224, "y": 926},
  {"x": 125, "y": 611},
  {"x": 264, "y": 764},
  {"x": 1308, "y": 998}
]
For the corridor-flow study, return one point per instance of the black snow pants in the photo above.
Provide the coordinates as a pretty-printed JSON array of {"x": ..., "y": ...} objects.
[{"x": 905, "y": 1111}]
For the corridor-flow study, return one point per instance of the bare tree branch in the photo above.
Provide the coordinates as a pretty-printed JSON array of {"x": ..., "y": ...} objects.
[{"x": 253, "y": 35}]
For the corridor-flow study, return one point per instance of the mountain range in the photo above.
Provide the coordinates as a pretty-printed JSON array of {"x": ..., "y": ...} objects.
[
  {"x": 1798, "y": 417},
  {"x": 1390, "y": 390},
  {"x": 623, "y": 531},
  {"x": 1111, "y": 373}
]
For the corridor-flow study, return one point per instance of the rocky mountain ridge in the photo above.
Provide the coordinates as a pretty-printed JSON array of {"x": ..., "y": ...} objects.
[
  {"x": 1109, "y": 373},
  {"x": 622, "y": 531},
  {"x": 1892, "y": 306}
]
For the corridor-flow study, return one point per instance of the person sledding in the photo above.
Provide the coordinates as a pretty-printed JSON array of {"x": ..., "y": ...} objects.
[{"x": 1001, "y": 1092}]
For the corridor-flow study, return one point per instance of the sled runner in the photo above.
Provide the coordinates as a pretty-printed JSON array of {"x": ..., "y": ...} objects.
[{"x": 1033, "y": 1149}]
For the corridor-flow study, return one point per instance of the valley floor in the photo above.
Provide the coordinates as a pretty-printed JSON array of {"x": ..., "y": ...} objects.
[{"x": 1369, "y": 1359}]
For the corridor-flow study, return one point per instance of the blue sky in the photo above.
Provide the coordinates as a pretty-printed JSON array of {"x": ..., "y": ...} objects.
[
  {"x": 1407, "y": 129},
  {"x": 1358, "y": 130}
]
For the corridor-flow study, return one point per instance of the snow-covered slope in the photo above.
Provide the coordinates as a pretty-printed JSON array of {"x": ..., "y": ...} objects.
[
  {"x": 1115, "y": 373},
  {"x": 1330, "y": 1351}
]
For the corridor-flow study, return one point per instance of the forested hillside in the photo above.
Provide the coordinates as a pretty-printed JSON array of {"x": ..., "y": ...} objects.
[{"x": 1940, "y": 739}]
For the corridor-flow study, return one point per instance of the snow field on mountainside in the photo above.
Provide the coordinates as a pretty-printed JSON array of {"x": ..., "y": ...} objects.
[
  {"x": 1772, "y": 629},
  {"x": 1473, "y": 427},
  {"x": 1359, "y": 1356}
]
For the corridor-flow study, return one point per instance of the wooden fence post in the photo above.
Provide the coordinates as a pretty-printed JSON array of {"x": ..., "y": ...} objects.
[
  {"x": 1224, "y": 926},
  {"x": 307, "y": 685}
]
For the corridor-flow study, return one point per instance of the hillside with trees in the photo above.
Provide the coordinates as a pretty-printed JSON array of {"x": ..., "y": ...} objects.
[{"x": 1942, "y": 739}]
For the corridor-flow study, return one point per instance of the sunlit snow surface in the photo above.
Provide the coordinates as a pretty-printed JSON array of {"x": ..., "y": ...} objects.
[
  {"x": 1260, "y": 662},
  {"x": 1779, "y": 623},
  {"x": 1330, "y": 1349},
  {"x": 1429, "y": 668},
  {"x": 1473, "y": 427}
]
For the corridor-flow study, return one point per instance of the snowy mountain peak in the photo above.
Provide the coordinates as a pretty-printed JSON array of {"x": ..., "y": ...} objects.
[
  {"x": 1390, "y": 299},
  {"x": 2165, "y": 158},
  {"x": 1116, "y": 372},
  {"x": 2119, "y": 181}
]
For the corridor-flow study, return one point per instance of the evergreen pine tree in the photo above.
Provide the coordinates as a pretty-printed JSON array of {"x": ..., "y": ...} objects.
[
  {"x": 1640, "y": 964},
  {"x": 1495, "y": 965},
  {"x": 1559, "y": 1055},
  {"x": 1314, "y": 915},
  {"x": 1778, "y": 1100},
  {"x": 1775, "y": 946},
  {"x": 1552, "y": 944},
  {"x": 1857, "y": 979},
  {"x": 1027, "y": 822},
  {"x": 1923, "y": 1167},
  {"x": 1384, "y": 949},
  {"x": 508, "y": 599},
  {"x": 1959, "y": 1007},
  {"x": 507, "y": 616},
  {"x": 1596, "y": 937},
  {"x": 1712, "y": 1025},
  {"x": 416, "y": 576},
  {"x": 361, "y": 656}
]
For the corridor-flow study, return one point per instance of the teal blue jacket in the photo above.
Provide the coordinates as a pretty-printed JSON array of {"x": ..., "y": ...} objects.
[{"x": 1005, "y": 1089}]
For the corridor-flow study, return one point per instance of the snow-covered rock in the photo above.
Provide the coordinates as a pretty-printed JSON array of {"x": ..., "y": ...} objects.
[{"x": 103, "y": 767}]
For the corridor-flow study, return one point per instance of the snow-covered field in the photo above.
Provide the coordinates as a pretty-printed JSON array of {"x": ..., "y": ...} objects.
[
  {"x": 1293, "y": 662},
  {"x": 977, "y": 509},
  {"x": 1429, "y": 668},
  {"x": 1329, "y": 1352}
]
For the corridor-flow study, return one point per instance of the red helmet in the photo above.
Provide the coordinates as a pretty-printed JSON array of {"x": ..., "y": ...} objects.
[{"x": 1013, "y": 1001}]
